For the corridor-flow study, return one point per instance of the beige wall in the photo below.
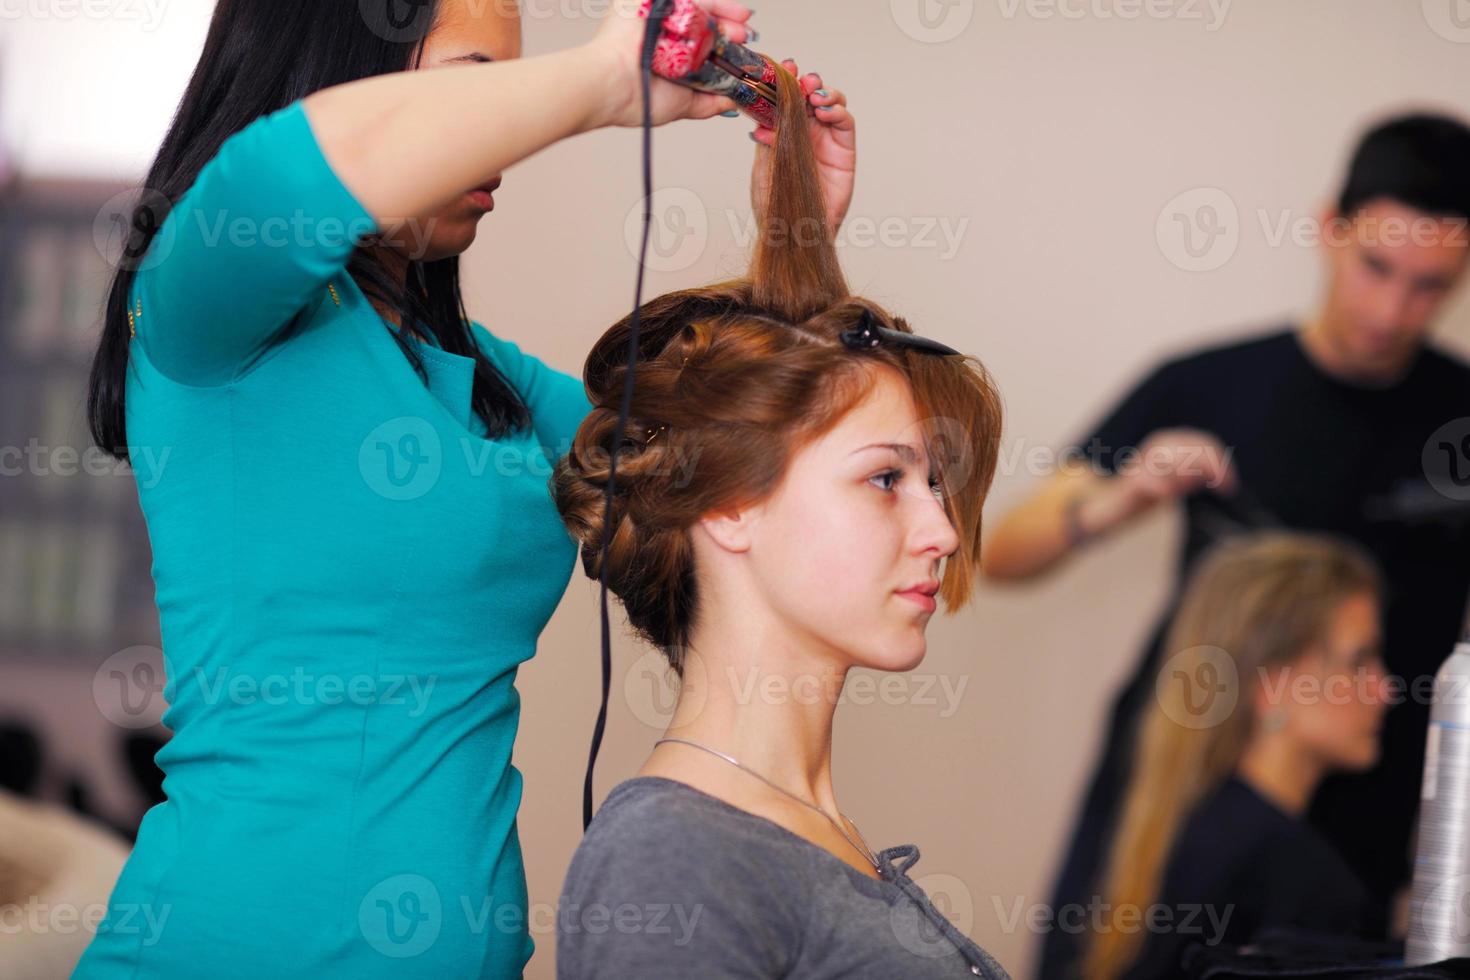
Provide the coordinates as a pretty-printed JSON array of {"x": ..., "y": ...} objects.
[
  {"x": 1052, "y": 145},
  {"x": 1019, "y": 172}
]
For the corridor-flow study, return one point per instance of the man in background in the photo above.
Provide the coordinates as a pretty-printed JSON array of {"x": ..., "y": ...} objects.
[{"x": 1349, "y": 423}]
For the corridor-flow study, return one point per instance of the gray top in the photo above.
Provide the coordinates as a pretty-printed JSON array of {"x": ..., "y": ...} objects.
[{"x": 671, "y": 882}]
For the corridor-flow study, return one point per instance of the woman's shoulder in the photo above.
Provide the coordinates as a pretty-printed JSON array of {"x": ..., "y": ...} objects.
[
  {"x": 661, "y": 837},
  {"x": 1231, "y": 838},
  {"x": 557, "y": 400},
  {"x": 1276, "y": 862},
  {"x": 1272, "y": 836},
  {"x": 665, "y": 820},
  {"x": 668, "y": 880},
  {"x": 507, "y": 355},
  {"x": 1297, "y": 850}
]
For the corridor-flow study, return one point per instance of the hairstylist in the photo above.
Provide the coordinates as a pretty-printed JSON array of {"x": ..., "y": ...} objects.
[
  {"x": 1339, "y": 425},
  {"x": 345, "y": 593}
]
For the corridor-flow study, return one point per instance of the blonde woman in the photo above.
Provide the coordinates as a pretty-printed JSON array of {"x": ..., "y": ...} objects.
[{"x": 1274, "y": 680}]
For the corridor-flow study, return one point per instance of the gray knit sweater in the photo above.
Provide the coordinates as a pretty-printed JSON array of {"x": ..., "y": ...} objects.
[{"x": 670, "y": 882}]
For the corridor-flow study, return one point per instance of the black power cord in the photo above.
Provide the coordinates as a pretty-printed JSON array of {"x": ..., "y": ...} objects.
[{"x": 658, "y": 11}]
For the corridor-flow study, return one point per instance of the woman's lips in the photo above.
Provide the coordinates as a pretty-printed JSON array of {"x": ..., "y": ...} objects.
[
  {"x": 923, "y": 600},
  {"x": 483, "y": 196}
]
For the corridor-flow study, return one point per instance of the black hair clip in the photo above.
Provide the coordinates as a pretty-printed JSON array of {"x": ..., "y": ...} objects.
[{"x": 868, "y": 334}]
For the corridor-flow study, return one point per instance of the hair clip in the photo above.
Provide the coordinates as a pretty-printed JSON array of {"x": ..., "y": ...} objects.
[
  {"x": 868, "y": 334},
  {"x": 652, "y": 434}
]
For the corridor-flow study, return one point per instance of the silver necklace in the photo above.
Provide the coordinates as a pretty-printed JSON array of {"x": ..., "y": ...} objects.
[{"x": 862, "y": 848}]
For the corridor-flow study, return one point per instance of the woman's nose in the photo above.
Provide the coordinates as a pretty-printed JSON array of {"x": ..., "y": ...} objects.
[
  {"x": 937, "y": 532},
  {"x": 1384, "y": 689}
]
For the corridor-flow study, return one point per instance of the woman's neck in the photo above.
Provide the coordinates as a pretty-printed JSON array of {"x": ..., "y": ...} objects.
[
  {"x": 772, "y": 712},
  {"x": 1276, "y": 769},
  {"x": 397, "y": 268}
]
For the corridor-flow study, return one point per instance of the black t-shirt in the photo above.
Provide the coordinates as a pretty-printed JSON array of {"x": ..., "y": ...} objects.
[
  {"x": 1387, "y": 467},
  {"x": 1242, "y": 865}
]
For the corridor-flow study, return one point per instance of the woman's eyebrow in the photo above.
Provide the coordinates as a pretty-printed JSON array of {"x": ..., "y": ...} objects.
[
  {"x": 473, "y": 56},
  {"x": 907, "y": 452}
]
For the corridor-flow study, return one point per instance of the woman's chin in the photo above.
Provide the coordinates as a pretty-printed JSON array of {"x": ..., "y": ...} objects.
[
  {"x": 901, "y": 657},
  {"x": 1362, "y": 755},
  {"x": 453, "y": 249},
  {"x": 453, "y": 237},
  {"x": 1368, "y": 757}
]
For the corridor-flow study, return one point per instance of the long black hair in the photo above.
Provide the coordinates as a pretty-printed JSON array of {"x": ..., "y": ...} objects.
[{"x": 261, "y": 56}]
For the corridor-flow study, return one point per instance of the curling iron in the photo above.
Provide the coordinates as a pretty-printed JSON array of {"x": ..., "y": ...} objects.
[{"x": 691, "y": 51}]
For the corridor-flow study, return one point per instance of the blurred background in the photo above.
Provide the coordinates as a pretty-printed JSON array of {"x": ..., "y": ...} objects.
[{"x": 1032, "y": 177}]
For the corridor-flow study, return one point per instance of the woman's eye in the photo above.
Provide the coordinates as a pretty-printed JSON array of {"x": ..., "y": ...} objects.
[
  {"x": 936, "y": 486},
  {"x": 894, "y": 475}
]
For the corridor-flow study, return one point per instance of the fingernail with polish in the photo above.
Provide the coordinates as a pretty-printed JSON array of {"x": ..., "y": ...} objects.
[
  {"x": 822, "y": 92},
  {"x": 730, "y": 113}
]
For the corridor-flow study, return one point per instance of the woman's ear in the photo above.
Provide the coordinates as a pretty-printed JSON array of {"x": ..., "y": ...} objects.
[
  {"x": 1271, "y": 692},
  {"x": 731, "y": 529}
]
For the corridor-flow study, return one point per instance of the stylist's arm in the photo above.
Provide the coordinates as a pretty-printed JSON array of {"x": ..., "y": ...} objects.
[{"x": 410, "y": 143}]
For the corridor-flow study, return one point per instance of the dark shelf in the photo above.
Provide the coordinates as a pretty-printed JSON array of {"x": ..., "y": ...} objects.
[{"x": 75, "y": 582}]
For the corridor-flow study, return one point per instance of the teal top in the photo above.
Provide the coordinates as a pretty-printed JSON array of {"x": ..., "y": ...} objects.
[{"x": 348, "y": 575}]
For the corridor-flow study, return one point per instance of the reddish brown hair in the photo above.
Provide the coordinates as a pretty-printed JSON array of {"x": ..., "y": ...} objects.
[{"x": 742, "y": 375}]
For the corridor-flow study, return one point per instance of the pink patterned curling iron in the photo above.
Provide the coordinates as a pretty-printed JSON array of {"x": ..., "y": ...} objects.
[{"x": 691, "y": 51}]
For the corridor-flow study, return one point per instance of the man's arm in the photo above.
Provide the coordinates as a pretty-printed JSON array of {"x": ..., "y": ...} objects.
[{"x": 1082, "y": 502}]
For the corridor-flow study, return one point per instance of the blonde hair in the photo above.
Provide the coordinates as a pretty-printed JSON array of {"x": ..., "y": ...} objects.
[{"x": 1263, "y": 600}]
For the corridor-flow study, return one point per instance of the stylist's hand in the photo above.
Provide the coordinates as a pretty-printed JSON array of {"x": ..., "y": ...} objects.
[
  {"x": 619, "y": 42},
  {"x": 1170, "y": 464},
  {"x": 1173, "y": 463},
  {"x": 834, "y": 137}
]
